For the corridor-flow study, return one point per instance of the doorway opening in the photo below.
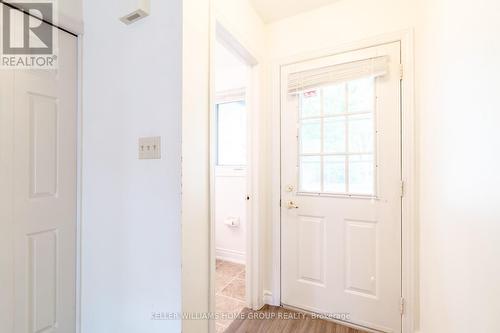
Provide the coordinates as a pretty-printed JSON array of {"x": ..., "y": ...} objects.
[{"x": 231, "y": 183}]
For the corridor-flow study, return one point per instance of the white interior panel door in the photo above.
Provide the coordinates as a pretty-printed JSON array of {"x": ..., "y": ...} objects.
[
  {"x": 39, "y": 196},
  {"x": 341, "y": 191}
]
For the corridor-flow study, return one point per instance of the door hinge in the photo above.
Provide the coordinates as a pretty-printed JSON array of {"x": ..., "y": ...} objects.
[
  {"x": 402, "y": 188},
  {"x": 402, "y": 306},
  {"x": 401, "y": 71}
]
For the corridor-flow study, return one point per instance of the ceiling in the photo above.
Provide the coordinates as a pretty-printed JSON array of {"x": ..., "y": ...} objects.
[{"x": 273, "y": 10}]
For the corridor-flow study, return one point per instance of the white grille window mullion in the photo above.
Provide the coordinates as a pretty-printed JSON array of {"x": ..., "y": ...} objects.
[
  {"x": 322, "y": 138},
  {"x": 375, "y": 143},
  {"x": 339, "y": 115}
]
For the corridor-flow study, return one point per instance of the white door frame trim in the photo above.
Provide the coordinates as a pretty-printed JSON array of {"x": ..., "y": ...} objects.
[
  {"x": 408, "y": 158},
  {"x": 221, "y": 31}
]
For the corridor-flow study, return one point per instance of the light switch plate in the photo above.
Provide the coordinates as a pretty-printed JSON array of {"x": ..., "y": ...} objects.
[{"x": 150, "y": 148}]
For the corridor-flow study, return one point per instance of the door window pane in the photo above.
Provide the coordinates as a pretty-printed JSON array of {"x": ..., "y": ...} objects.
[
  {"x": 361, "y": 180},
  {"x": 310, "y": 104},
  {"x": 231, "y": 133},
  {"x": 310, "y": 136},
  {"x": 334, "y": 174},
  {"x": 361, "y": 95},
  {"x": 361, "y": 128},
  {"x": 310, "y": 173},
  {"x": 334, "y": 135},
  {"x": 334, "y": 99}
]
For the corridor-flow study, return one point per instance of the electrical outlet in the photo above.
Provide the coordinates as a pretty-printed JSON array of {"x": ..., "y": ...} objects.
[{"x": 150, "y": 148}]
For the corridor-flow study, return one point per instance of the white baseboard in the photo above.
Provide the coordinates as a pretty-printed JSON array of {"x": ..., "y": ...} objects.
[{"x": 230, "y": 255}]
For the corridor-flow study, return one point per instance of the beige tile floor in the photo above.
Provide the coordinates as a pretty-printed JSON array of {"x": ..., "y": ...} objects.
[{"x": 229, "y": 291}]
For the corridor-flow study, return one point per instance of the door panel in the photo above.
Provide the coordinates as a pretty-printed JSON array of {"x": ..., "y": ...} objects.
[
  {"x": 311, "y": 249},
  {"x": 341, "y": 204},
  {"x": 39, "y": 156},
  {"x": 43, "y": 115}
]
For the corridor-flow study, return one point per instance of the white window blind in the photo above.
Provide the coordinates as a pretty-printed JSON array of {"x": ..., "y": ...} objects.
[{"x": 318, "y": 77}]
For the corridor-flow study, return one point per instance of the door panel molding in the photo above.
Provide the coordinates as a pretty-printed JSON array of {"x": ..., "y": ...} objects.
[{"x": 44, "y": 123}]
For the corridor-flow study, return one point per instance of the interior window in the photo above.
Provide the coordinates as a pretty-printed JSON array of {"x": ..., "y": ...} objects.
[
  {"x": 231, "y": 133},
  {"x": 337, "y": 139}
]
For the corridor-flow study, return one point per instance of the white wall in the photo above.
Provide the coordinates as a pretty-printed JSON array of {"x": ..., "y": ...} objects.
[
  {"x": 230, "y": 192},
  {"x": 230, "y": 70},
  {"x": 131, "y": 208},
  {"x": 243, "y": 22},
  {"x": 458, "y": 65},
  {"x": 342, "y": 22}
]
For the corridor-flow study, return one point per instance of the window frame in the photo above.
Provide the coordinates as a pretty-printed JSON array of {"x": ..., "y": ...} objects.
[{"x": 224, "y": 97}]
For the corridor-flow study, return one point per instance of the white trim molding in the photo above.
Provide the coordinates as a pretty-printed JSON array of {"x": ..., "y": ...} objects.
[
  {"x": 231, "y": 95},
  {"x": 237, "y": 257},
  {"x": 79, "y": 186},
  {"x": 267, "y": 297},
  {"x": 409, "y": 176},
  {"x": 409, "y": 267}
]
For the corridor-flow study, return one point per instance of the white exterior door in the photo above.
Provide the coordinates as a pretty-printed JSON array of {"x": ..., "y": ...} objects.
[
  {"x": 38, "y": 164},
  {"x": 341, "y": 193}
]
